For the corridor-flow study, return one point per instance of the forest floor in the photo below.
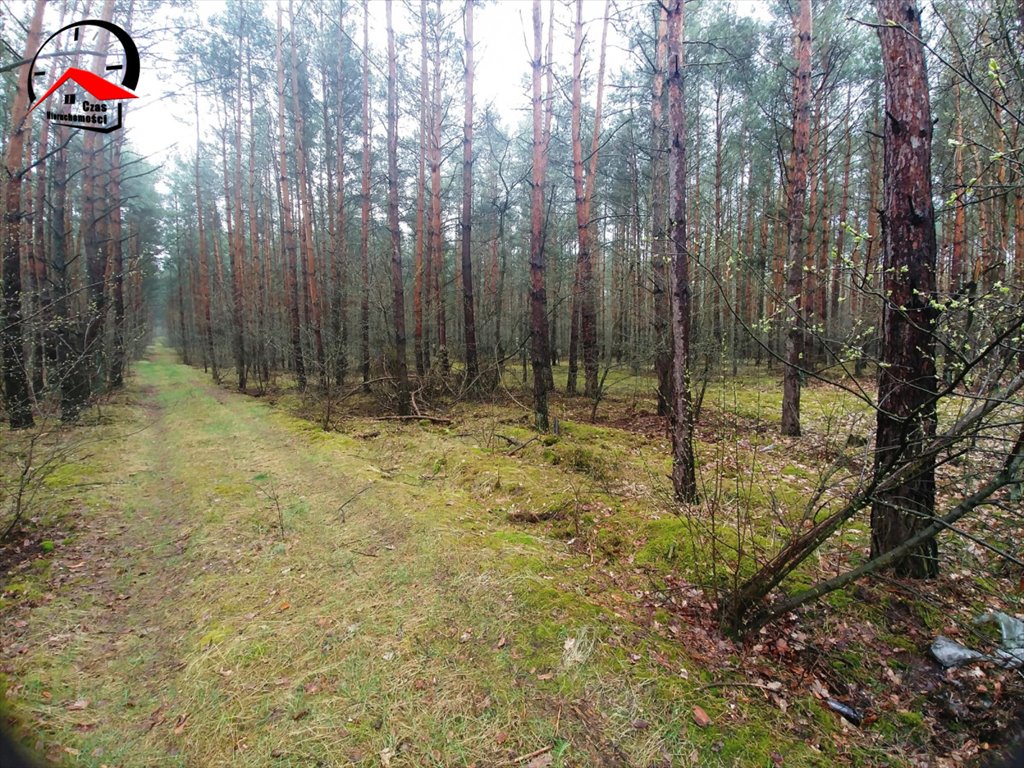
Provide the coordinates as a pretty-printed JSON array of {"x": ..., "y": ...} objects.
[{"x": 218, "y": 581}]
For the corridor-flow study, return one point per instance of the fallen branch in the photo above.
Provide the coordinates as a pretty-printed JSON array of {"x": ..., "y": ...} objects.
[
  {"x": 414, "y": 417},
  {"x": 352, "y": 498},
  {"x": 520, "y": 447}
]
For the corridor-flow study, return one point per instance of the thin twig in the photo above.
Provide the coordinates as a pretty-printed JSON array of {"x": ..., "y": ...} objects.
[{"x": 530, "y": 755}]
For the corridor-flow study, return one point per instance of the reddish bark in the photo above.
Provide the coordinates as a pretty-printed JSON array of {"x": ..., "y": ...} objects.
[
  {"x": 15, "y": 373},
  {"x": 583, "y": 292},
  {"x": 306, "y": 243},
  {"x": 797, "y": 191},
  {"x": 287, "y": 223},
  {"x": 906, "y": 382},
  {"x": 1018, "y": 239}
]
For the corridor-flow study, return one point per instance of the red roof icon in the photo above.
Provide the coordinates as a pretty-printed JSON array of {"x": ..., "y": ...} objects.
[{"x": 100, "y": 89}]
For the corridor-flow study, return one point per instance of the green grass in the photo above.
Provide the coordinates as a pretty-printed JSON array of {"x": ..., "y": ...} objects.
[{"x": 399, "y": 610}]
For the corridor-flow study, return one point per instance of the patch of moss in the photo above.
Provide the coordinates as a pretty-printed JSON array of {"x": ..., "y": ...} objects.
[
  {"x": 71, "y": 474},
  {"x": 610, "y": 542},
  {"x": 586, "y": 461},
  {"x": 663, "y": 541},
  {"x": 24, "y": 590}
]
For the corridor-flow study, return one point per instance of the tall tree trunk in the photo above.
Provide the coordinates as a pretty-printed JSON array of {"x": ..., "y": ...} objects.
[
  {"x": 238, "y": 244},
  {"x": 67, "y": 337},
  {"x": 584, "y": 290},
  {"x": 262, "y": 331},
  {"x": 1018, "y": 238},
  {"x": 237, "y": 331},
  {"x": 306, "y": 242},
  {"x": 364, "y": 233},
  {"x": 469, "y": 330},
  {"x": 66, "y": 331},
  {"x": 862, "y": 298},
  {"x": 835, "y": 292},
  {"x": 797, "y": 192},
  {"x": 716, "y": 256},
  {"x": 824, "y": 220},
  {"x": 287, "y": 222},
  {"x": 205, "y": 284},
  {"x": 119, "y": 352},
  {"x": 94, "y": 236},
  {"x": 540, "y": 358},
  {"x": 906, "y": 382},
  {"x": 15, "y": 372},
  {"x": 41, "y": 284},
  {"x": 684, "y": 473},
  {"x": 743, "y": 290},
  {"x": 119, "y": 358},
  {"x": 662, "y": 340},
  {"x": 549, "y": 113},
  {"x": 575, "y": 301},
  {"x": 421, "y": 283},
  {"x": 810, "y": 276},
  {"x": 778, "y": 274},
  {"x": 398, "y": 304},
  {"x": 436, "y": 242},
  {"x": 499, "y": 293},
  {"x": 763, "y": 263},
  {"x": 957, "y": 261},
  {"x": 186, "y": 357},
  {"x": 339, "y": 264}
]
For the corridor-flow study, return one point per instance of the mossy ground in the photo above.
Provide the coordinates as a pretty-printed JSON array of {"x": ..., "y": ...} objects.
[{"x": 401, "y": 616}]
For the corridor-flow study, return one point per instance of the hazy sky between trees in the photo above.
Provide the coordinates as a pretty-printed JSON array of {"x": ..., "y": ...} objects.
[{"x": 161, "y": 121}]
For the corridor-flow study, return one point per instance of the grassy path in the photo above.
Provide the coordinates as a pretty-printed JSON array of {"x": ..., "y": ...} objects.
[{"x": 393, "y": 622}]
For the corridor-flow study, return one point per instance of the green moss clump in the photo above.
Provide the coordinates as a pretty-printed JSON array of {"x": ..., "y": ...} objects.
[
  {"x": 587, "y": 462},
  {"x": 514, "y": 537},
  {"x": 610, "y": 542},
  {"x": 663, "y": 537}
]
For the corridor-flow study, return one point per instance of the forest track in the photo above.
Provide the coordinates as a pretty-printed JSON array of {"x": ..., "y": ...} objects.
[{"x": 395, "y": 621}]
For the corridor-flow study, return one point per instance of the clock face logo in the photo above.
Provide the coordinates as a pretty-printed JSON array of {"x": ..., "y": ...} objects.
[{"x": 83, "y": 74}]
